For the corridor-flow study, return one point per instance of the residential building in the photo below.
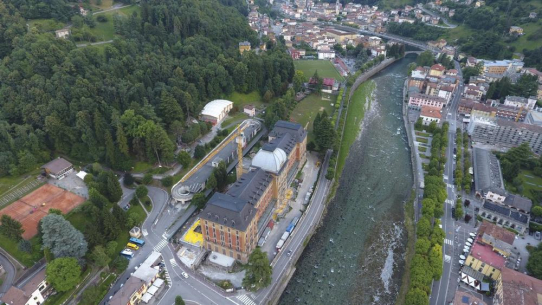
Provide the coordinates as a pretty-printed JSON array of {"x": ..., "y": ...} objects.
[
  {"x": 215, "y": 111},
  {"x": 504, "y": 216},
  {"x": 139, "y": 282},
  {"x": 437, "y": 70},
  {"x": 499, "y": 238},
  {"x": 430, "y": 114},
  {"x": 511, "y": 113},
  {"x": 244, "y": 46},
  {"x": 34, "y": 292},
  {"x": 62, "y": 33},
  {"x": 295, "y": 54},
  {"x": 500, "y": 68},
  {"x": 532, "y": 15},
  {"x": 482, "y": 259},
  {"x": 518, "y": 101},
  {"x": 516, "y": 30},
  {"x": 416, "y": 101},
  {"x": 340, "y": 35},
  {"x": 505, "y": 134},
  {"x": 231, "y": 222},
  {"x": 250, "y": 110},
  {"x": 516, "y": 288},
  {"x": 469, "y": 106},
  {"x": 329, "y": 85},
  {"x": 326, "y": 54},
  {"x": 58, "y": 168}
]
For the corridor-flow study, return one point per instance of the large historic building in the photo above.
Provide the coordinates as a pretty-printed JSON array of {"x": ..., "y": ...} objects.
[{"x": 231, "y": 222}]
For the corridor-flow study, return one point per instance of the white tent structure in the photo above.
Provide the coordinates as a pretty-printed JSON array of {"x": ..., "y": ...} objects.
[{"x": 215, "y": 111}]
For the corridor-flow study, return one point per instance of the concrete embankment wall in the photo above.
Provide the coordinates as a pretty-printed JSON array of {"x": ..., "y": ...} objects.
[{"x": 365, "y": 76}]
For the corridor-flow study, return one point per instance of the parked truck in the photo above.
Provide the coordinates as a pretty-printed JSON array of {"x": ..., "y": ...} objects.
[{"x": 279, "y": 245}]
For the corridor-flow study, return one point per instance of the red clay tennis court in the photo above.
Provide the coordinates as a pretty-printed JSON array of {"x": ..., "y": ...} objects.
[{"x": 30, "y": 209}]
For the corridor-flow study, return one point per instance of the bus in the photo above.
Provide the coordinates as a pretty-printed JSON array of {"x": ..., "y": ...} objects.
[
  {"x": 132, "y": 246},
  {"x": 136, "y": 241}
]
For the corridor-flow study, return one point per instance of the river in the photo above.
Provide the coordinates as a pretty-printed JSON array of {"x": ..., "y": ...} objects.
[{"x": 357, "y": 256}]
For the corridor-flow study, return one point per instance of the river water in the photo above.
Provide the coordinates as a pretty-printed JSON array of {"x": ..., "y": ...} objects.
[{"x": 357, "y": 256}]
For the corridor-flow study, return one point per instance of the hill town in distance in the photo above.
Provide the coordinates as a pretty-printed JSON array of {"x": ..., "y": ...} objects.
[{"x": 271, "y": 152}]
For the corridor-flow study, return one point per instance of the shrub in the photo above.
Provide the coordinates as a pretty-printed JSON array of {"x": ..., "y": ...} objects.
[{"x": 167, "y": 181}]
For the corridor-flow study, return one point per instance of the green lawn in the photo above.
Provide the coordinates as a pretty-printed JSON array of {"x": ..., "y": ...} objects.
[
  {"x": 306, "y": 110},
  {"x": 27, "y": 259},
  {"x": 523, "y": 42},
  {"x": 46, "y": 25},
  {"x": 105, "y": 30},
  {"x": 105, "y": 4},
  {"x": 242, "y": 99},
  {"x": 141, "y": 167},
  {"x": 324, "y": 67},
  {"x": 238, "y": 117},
  {"x": 421, "y": 140},
  {"x": 531, "y": 184},
  {"x": 422, "y": 134},
  {"x": 356, "y": 112},
  {"x": 422, "y": 148},
  {"x": 461, "y": 31}
]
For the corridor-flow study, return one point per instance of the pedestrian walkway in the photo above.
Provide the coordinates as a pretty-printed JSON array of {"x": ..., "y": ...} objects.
[
  {"x": 168, "y": 278},
  {"x": 160, "y": 245},
  {"x": 246, "y": 299},
  {"x": 449, "y": 242}
]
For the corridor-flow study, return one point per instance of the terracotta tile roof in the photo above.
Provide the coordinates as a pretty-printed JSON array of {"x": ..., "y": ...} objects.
[
  {"x": 520, "y": 289},
  {"x": 438, "y": 67},
  {"x": 497, "y": 232},
  {"x": 431, "y": 112}
]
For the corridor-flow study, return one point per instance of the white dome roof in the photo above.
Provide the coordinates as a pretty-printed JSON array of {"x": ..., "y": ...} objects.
[{"x": 271, "y": 161}]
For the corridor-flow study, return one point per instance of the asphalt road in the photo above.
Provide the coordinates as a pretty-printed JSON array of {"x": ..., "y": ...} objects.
[
  {"x": 311, "y": 217},
  {"x": 440, "y": 292},
  {"x": 9, "y": 274}
]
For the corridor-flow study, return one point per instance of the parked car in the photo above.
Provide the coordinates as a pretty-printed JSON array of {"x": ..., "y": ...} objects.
[{"x": 184, "y": 274}]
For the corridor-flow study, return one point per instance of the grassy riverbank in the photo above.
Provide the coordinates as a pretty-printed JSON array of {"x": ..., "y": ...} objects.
[
  {"x": 410, "y": 227},
  {"x": 359, "y": 103}
]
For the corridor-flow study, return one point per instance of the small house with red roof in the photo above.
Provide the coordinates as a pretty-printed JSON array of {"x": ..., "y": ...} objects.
[{"x": 437, "y": 70}]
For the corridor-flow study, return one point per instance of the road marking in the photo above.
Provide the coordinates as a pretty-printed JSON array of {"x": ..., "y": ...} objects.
[
  {"x": 447, "y": 258},
  {"x": 245, "y": 299},
  {"x": 173, "y": 262},
  {"x": 449, "y": 242},
  {"x": 160, "y": 245},
  {"x": 145, "y": 233},
  {"x": 165, "y": 236}
]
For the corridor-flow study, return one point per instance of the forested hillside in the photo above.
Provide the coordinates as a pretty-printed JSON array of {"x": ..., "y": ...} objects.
[{"x": 128, "y": 100}]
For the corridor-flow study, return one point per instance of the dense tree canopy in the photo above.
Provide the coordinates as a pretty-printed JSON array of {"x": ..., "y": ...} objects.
[
  {"x": 131, "y": 99},
  {"x": 62, "y": 238},
  {"x": 63, "y": 273}
]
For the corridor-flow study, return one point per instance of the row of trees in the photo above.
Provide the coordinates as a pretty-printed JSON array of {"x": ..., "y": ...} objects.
[
  {"x": 426, "y": 265},
  {"x": 324, "y": 131},
  {"x": 463, "y": 178}
]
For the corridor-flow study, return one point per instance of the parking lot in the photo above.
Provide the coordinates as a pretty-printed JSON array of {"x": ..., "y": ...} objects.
[{"x": 71, "y": 183}]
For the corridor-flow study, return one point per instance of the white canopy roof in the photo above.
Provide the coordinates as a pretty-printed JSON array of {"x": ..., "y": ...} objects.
[
  {"x": 158, "y": 282},
  {"x": 152, "y": 290},
  {"x": 215, "y": 108},
  {"x": 82, "y": 175}
]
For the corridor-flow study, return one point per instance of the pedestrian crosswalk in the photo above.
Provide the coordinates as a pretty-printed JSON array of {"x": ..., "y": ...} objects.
[
  {"x": 173, "y": 262},
  {"x": 168, "y": 278},
  {"x": 449, "y": 201},
  {"x": 245, "y": 299},
  {"x": 160, "y": 245},
  {"x": 165, "y": 235},
  {"x": 449, "y": 242}
]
